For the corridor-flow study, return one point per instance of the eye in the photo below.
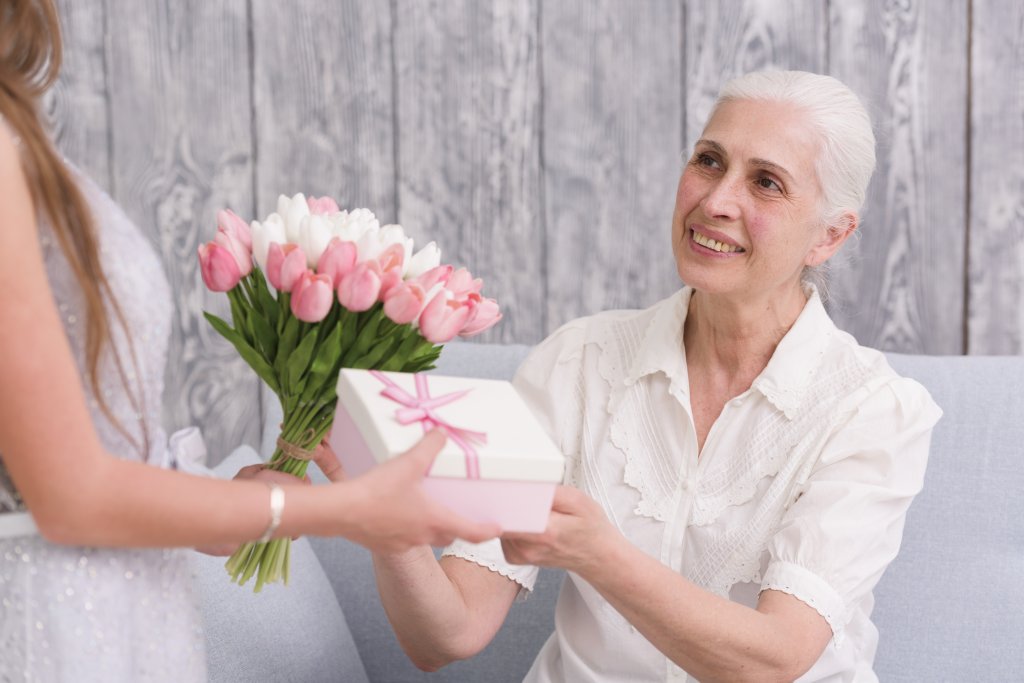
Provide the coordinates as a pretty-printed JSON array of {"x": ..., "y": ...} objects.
[
  {"x": 767, "y": 183},
  {"x": 706, "y": 160}
]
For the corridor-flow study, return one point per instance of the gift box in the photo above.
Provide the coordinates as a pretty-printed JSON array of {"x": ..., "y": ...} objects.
[{"x": 498, "y": 463}]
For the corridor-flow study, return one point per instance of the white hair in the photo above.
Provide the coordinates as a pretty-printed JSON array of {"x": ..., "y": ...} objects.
[{"x": 847, "y": 153}]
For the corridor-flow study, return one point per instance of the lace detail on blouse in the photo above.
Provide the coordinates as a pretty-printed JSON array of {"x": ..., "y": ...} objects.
[
  {"x": 777, "y": 461},
  {"x": 644, "y": 450}
]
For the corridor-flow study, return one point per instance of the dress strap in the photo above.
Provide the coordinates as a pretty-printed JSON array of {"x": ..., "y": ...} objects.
[{"x": 15, "y": 524}]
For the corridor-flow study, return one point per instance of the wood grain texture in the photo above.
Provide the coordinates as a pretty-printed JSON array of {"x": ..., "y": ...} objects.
[
  {"x": 77, "y": 103},
  {"x": 538, "y": 143},
  {"x": 996, "y": 277},
  {"x": 323, "y": 110},
  {"x": 468, "y": 146},
  {"x": 181, "y": 136},
  {"x": 908, "y": 62},
  {"x": 612, "y": 134},
  {"x": 733, "y": 37}
]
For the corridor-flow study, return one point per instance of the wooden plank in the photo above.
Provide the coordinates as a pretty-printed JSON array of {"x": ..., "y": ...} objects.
[
  {"x": 613, "y": 121},
  {"x": 908, "y": 61},
  {"x": 77, "y": 102},
  {"x": 468, "y": 146},
  {"x": 733, "y": 37},
  {"x": 180, "y": 117},
  {"x": 996, "y": 277},
  {"x": 324, "y": 117}
]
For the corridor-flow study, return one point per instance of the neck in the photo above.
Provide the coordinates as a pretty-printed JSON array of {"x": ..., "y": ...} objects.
[{"x": 737, "y": 337}]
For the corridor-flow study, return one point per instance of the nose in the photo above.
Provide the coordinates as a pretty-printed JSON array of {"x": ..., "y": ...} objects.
[{"x": 722, "y": 198}]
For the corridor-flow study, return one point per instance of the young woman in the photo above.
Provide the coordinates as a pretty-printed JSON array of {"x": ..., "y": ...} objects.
[
  {"x": 84, "y": 317},
  {"x": 740, "y": 469}
]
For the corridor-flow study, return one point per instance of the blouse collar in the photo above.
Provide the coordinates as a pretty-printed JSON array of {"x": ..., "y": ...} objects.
[{"x": 785, "y": 379}]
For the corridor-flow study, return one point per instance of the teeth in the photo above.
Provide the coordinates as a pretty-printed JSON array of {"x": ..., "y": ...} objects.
[{"x": 721, "y": 247}]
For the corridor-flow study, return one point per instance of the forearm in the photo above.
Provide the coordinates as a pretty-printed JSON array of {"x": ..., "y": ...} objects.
[
  {"x": 710, "y": 637},
  {"x": 425, "y": 607},
  {"x": 124, "y": 503}
]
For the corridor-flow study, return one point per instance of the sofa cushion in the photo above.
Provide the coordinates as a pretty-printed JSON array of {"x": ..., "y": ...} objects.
[
  {"x": 951, "y": 605},
  {"x": 284, "y": 633}
]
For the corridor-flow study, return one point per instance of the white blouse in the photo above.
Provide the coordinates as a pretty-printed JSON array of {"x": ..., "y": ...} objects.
[{"x": 802, "y": 486}]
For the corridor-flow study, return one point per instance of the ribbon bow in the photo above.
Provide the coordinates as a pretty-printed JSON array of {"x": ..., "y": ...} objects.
[{"x": 420, "y": 408}]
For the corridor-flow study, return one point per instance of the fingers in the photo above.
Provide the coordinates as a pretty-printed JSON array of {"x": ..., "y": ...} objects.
[
  {"x": 248, "y": 472},
  {"x": 456, "y": 526},
  {"x": 421, "y": 456},
  {"x": 327, "y": 460}
]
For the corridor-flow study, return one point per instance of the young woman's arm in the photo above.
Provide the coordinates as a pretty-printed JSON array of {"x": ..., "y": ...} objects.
[{"x": 80, "y": 494}]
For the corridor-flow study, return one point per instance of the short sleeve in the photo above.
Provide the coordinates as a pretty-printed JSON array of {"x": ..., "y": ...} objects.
[
  {"x": 845, "y": 527},
  {"x": 549, "y": 382},
  {"x": 490, "y": 555}
]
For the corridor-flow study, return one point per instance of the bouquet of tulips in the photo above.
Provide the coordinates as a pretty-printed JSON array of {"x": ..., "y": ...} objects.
[{"x": 314, "y": 289}]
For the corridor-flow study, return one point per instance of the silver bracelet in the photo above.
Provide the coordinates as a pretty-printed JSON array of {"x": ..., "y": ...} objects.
[{"x": 276, "y": 510}]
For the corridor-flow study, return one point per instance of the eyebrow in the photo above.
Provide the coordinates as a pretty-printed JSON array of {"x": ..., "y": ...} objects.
[{"x": 756, "y": 161}]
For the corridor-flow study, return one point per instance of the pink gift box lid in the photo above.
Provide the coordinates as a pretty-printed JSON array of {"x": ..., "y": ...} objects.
[{"x": 517, "y": 447}]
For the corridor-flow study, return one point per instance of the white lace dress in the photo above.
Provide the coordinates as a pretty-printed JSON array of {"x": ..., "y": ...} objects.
[{"x": 92, "y": 614}]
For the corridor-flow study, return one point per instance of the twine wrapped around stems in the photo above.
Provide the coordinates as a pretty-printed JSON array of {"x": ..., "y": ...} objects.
[{"x": 291, "y": 450}]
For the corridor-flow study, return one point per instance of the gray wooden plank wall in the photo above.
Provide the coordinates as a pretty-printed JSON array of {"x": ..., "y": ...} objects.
[{"x": 538, "y": 141}]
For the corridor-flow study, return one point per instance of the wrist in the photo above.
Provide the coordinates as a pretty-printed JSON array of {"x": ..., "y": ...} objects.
[
  {"x": 607, "y": 555},
  {"x": 277, "y": 501}
]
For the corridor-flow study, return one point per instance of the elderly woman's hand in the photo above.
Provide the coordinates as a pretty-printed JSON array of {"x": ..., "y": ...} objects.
[{"x": 577, "y": 536}]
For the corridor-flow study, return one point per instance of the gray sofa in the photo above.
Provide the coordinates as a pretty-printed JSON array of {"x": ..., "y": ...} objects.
[{"x": 950, "y": 608}]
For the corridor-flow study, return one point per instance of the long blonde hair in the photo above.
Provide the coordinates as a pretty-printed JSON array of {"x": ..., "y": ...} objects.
[{"x": 30, "y": 58}]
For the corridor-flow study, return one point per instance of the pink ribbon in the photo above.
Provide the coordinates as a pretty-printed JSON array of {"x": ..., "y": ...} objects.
[{"x": 420, "y": 408}]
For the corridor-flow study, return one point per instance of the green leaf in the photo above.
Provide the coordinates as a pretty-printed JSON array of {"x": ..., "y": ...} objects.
[
  {"x": 238, "y": 317},
  {"x": 287, "y": 341},
  {"x": 264, "y": 334},
  {"x": 268, "y": 304},
  {"x": 248, "y": 354},
  {"x": 298, "y": 362}
]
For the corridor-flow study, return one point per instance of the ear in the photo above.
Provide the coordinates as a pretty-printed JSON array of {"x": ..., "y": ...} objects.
[{"x": 832, "y": 238}]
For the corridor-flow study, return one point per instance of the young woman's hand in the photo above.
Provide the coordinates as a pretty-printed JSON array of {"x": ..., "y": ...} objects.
[{"x": 390, "y": 512}]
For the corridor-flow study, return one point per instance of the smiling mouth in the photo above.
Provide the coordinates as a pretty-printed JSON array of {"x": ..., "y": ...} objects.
[{"x": 714, "y": 245}]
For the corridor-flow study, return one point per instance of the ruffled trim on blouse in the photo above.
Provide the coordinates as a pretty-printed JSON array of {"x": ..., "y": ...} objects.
[
  {"x": 490, "y": 556},
  {"x": 657, "y": 489},
  {"x": 810, "y": 589}
]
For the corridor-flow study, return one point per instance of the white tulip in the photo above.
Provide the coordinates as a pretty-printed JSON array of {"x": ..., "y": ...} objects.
[
  {"x": 351, "y": 226},
  {"x": 297, "y": 210},
  {"x": 314, "y": 234},
  {"x": 270, "y": 230},
  {"x": 373, "y": 242},
  {"x": 423, "y": 260}
]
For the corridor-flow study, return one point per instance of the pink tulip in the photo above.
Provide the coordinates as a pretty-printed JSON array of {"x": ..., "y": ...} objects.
[
  {"x": 312, "y": 297},
  {"x": 404, "y": 302},
  {"x": 219, "y": 268},
  {"x": 237, "y": 249},
  {"x": 322, "y": 205},
  {"x": 438, "y": 274},
  {"x": 230, "y": 223},
  {"x": 337, "y": 260},
  {"x": 392, "y": 257},
  {"x": 285, "y": 265},
  {"x": 358, "y": 289},
  {"x": 484, "y": 314},
  {"x": 461, "y": 284},
  {"x": 442, "y": 319}
]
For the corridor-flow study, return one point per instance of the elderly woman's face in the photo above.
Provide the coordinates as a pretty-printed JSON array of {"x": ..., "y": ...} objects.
[{"x": 746, "y": 216}]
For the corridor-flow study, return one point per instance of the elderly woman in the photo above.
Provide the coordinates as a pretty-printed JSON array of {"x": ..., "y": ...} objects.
[{"x": 739, "y": 468}]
